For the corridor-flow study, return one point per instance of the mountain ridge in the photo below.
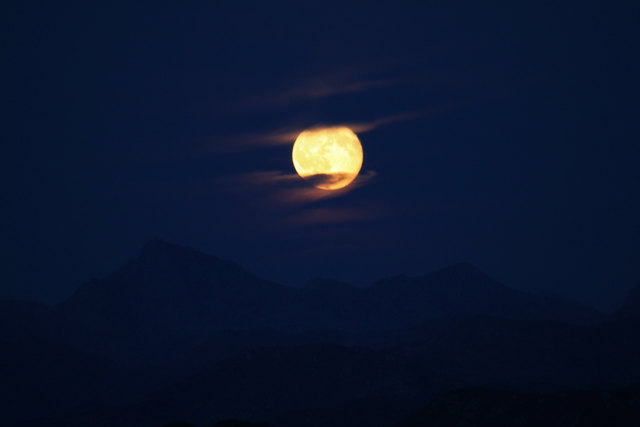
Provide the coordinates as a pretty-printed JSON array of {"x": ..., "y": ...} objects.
[
  {"x": 172, "y": 297},
  {"x": 175, "y": 315},
  {"x": 630, "y": 308}
]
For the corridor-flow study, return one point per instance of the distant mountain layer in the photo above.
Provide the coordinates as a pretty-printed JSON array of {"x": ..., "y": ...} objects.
[
  {"x": 631, "y": 307},
  {"x": 495, "y": 408},
  {"x": 534, "y": 354},
  {"x": 41, "y": 378},
  {"x": 265, "y": 383},
  {"x": 206, "y": 340},
  {"x": 171, "y": 297},
  {"x": 269, "y": 375},
  {"x": 480, "y": 407}
]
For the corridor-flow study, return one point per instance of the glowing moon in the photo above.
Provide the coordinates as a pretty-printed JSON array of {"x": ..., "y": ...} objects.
[{"x": 329, "y": 158}]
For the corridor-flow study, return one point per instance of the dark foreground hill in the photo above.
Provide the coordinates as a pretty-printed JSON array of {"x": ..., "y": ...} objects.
[
  {"x": 38, "y": 377},
  {"x": 225, "y": 423},
  {"x": 534, "y": 353},
  {"x": 499, "y": 408},
  {"x": 42, "y": 374},
  {"x": 496, "y": 408},
  {"x": 270, "y": 383},
  {"x": 631, "y": 307}
]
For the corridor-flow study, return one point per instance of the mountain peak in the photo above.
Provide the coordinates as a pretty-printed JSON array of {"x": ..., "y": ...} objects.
[
  {"x": 631, "y": 306},
  {"x": 160, "y": 252},
  {"x": 324, "y": 284},
  {"x": 462, "y": 271},
  {"x": 157, "y": 245},
  {"x": 463, "y": 268}
]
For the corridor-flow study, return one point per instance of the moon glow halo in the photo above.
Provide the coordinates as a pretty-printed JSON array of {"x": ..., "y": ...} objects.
[{"x": 329, "y": 158}]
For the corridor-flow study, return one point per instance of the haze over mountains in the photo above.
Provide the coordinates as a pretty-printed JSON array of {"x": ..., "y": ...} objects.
[{"x": 178, "y": 334}]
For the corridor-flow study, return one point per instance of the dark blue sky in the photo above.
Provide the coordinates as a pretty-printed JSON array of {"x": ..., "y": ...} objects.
[{"x": 506, "y": 136}]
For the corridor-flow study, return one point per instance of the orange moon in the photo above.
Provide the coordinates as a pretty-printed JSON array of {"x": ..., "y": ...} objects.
[{"x": 328, "y": 158}]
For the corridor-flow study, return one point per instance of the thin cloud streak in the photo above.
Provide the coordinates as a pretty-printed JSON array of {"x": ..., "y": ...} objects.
[
  {"x": 280, "y": 188},
  {"x": 287, "y": 136},
  {"x": 264, "y": 178},
  {"x": 307, "y": 194},
  {"x": 323, "y": 88},
  {"x": 245, "y": 142},
  {"x": 394, "y": 118},
  {"x": 327, "y": 83}
]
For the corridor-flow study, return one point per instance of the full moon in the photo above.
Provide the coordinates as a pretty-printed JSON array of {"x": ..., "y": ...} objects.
[{"x": 329, "y": 158}]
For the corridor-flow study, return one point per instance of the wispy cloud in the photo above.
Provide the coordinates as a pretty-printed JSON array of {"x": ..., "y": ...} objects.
[
  {"x": 262, "y": 178},
  {"x": 250, "y": 141},
  {"x": 289, "y": 200},
  {"x": 304, "y": 193},
  {"x": 287, "y": 136},
  {"x": 280, "y": 188},
  {"x": 394, "y": 118},
  {"x": 323, "y": 87},
  {"x": 331, "y": 82}
]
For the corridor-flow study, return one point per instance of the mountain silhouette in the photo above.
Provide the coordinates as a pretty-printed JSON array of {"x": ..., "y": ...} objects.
[
  {"x": 499, "y": 408},
  {"x": 171, "y": 298},
  {"x": 176, "y": 334},
  {"x": 225, "y": 423},
  {"x": 25, "y": 318},
  {"x": 45, "y": 379},
  {"x": 462, "y": 289},
  {"x": 266, "y": 383},
  {"x": 377, "y": 411},
  {"x": 224, "y": 344},
  {"x": 322, "y": 285},
  {"x": 534, "y": 353},
  {"x": 631, "y": 307}
]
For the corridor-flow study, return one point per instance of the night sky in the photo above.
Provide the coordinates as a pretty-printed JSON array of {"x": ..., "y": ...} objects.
[{"x": 503, "y": 136}]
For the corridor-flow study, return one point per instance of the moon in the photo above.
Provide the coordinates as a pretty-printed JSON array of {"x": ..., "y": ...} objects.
[{"x": 329, "y": 158}]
